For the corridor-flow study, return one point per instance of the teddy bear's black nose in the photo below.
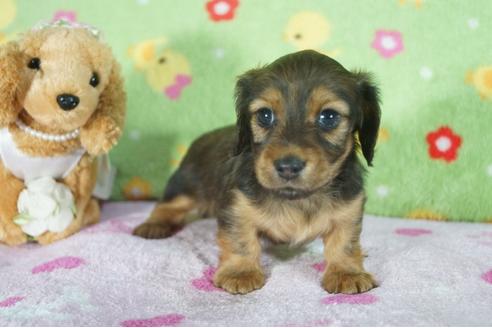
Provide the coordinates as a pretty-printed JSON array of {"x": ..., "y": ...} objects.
[{"x": 67, "y": 101}]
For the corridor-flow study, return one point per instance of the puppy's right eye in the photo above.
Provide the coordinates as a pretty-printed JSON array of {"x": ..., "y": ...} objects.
[
  {"x": 265, "y": 117},
  {"x": 34, "y": 63}
]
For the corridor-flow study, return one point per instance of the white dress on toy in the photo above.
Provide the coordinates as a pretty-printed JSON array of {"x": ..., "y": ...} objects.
[{"x": 27, "y": 168}]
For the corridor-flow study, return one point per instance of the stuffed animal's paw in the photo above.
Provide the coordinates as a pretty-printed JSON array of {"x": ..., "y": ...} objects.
[
  {"x": 99, "y": 136},
  {"x": 13, "y": 235},
  {"x": 50, "y": 237}
]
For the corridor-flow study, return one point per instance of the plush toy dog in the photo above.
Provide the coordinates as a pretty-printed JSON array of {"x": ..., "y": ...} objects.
[{"x": 62, "y": 104}]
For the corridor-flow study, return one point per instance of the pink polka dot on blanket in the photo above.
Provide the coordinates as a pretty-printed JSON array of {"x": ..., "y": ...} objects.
[
  {"x": 11, "y": 301},
  {"x": 487, "y": 276},
  {"x": 66, "y": 262},
  {"x": 205, "y": 282},
  {"x": 159, "y": 321},
  {"x": 412, "y": 232},
  {"x": 350, "y": 299}
]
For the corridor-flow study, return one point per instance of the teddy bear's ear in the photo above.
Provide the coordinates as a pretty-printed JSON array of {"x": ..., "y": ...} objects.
[
  {"x": 105, "y": 127},
  {"x": 13, "y": 81}
]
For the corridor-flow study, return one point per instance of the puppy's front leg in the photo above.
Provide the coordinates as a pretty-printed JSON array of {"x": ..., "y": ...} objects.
[
  {"x": 344, "y": 259},
  {"x": 239, "y": 269}
]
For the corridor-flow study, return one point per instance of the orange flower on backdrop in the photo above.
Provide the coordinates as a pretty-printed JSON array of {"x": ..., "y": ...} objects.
[
  {"x": 221, "y": 10},
  {"x": 443, "y": 144},
  {"x": 137, "y": 189}
]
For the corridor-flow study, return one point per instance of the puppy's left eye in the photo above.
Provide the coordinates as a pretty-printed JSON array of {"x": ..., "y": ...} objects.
[
  {"x": 265, "y": 117},
  {"x": 328, "y": 119},
  {"x": 94, "y": 81}
]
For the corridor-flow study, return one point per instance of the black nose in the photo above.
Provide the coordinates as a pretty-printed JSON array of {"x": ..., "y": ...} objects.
[
  {"x": 289, "y": 167},
  {"x": 67, "y": 102}
]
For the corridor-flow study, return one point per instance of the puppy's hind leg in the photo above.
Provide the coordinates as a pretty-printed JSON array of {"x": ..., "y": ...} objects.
[
  {"x": 166, "y": 218},
  {"x": 170, "y": 214}
]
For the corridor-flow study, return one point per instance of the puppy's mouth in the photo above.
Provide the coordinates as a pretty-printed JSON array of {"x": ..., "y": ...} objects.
[{"x": 292, "y": 193}]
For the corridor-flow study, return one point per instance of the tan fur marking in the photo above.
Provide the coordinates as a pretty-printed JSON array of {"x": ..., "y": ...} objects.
[
  {"x": 239, "y": 269},
  {"x": 320, "y": 99},
  {"x": 343, "y": 255},
  {"x": 166, "y": 217},
  {"x": 300, "y": 220},
  {"x": 316, "y": 173},
  {"x": 271, "y": 98}
]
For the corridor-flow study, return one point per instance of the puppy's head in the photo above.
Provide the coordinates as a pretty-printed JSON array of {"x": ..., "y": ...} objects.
[
  {"x": 301, "y": 117},
  {"x": 70, "y": 70}
]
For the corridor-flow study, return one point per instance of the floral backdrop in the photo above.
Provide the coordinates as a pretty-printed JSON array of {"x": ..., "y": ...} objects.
[{"x": 432, "y": 60}]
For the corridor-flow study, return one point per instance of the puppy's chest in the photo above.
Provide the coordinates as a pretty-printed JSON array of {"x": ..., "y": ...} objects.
[{"x": 296, "y": 223}]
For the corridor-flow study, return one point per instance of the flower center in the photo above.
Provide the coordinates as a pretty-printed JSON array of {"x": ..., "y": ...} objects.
[
  {"x": 388, "y": 42},
  {"x": 221, "y": 8},
  {"x": 443, "y": 144}
]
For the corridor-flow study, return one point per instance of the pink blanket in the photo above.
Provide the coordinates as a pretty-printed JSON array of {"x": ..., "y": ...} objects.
[{"x": 431, "y": 273}]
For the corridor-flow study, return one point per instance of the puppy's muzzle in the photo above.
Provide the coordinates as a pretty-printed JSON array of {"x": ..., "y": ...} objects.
[
  {"x": 289, "y": 167},
  {"x": 67, "y": 101}
]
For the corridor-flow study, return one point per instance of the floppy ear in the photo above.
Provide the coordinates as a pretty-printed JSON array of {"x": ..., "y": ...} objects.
[
  {"x": 105, "y": 127},
  {"x": 368, "y": 126},
  {"x": 13, "y": 81},
  {"x": 243, "y": 96}
]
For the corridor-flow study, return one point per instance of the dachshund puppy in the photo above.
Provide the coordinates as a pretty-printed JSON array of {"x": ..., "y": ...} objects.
[{"x": 288, "y": 171}]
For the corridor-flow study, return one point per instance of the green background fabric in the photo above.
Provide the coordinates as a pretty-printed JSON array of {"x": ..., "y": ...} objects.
[{"x": 432, "y": 60}]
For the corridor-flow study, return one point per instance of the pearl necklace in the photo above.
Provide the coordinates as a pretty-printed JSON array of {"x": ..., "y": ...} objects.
[{"x": 45, "y": 136}]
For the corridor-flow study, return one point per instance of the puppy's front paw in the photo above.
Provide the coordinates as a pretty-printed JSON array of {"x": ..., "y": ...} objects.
[
  {"x": 154, "y": 230},
  {"x": 239, "y": 282},
  {"x": 348, "y": 282}
]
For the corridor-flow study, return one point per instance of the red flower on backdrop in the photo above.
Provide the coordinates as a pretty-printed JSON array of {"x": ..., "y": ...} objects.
[
  {"x": 221, "y": 9},
  {"x": 443, "y": 144}
]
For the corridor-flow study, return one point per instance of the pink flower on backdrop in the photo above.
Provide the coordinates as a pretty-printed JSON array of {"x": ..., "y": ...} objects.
[
  {"x": 159, "y": 321},
  {"x": 66, "y": 15},
  {"x": 11, "y": 301},
  {"x": 219, "y": 10},
  {"x": 412, "y": 232},
  {"x": 205, "y": 282},
  {"x": 388, "y": 43}
]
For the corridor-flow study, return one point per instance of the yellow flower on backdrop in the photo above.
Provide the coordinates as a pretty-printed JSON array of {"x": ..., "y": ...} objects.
[{"x": 481, "y": 79}]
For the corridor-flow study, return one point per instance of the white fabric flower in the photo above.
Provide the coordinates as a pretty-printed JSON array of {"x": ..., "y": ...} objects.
[{"x": 45, "y": 205}]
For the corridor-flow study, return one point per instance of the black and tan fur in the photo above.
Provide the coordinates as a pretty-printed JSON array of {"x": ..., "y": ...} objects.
[{"x": 231, "y": 173}]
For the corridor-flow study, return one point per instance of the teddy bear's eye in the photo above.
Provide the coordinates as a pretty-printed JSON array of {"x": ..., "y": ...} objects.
[
  {"x": 34, "y": 63},
  {"x": 94, "y": 80}
]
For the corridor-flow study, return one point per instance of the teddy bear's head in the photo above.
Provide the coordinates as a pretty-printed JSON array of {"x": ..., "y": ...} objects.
[
  {"x": 70, "y": 70},
  {"x": 68, "y": 79}
]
